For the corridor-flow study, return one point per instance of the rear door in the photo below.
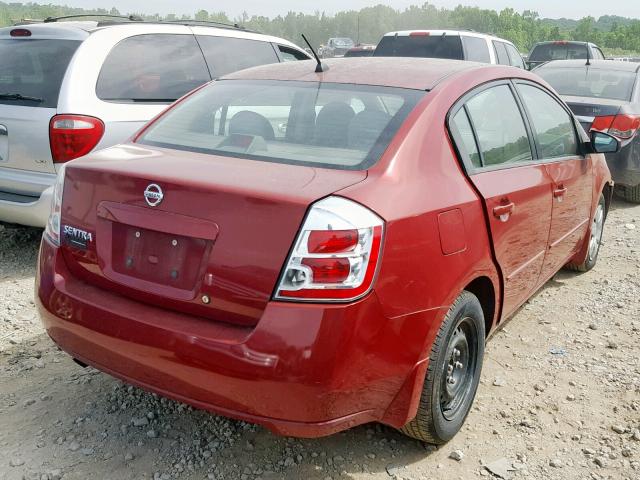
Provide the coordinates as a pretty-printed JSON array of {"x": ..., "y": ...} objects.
[
  {"x": 558, "y": 145},
  {"x": 495, "y": 144},
  {"x": 33, "y": 63}
]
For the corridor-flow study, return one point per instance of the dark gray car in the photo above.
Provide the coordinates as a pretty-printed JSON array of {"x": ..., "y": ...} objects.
[{"x": 605, "y": 96}]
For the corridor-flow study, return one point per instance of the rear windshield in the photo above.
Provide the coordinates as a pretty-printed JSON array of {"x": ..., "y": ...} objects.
[
  {"x": 34, "y": 68},
  {"x": 590, "y": 82},
  {"x": 437, "y": 46},
  {"x": 558, "y": 51},
  {"x": 319, "y": 124}
]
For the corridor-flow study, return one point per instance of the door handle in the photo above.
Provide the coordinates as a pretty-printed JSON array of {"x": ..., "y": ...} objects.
[
  {"x": 503, "y": 212},
  {"x": 3, "y": 130}
]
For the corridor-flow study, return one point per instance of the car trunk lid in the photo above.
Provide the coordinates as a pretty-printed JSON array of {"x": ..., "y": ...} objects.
[
  {"x": 587, "y": 109},
  {"x": 215, "y": 241}
]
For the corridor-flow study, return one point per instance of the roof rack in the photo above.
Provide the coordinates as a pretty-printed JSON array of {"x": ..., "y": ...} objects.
[
  {"x": 235, "y": 26},
  {"x": 130, "y": 18}
]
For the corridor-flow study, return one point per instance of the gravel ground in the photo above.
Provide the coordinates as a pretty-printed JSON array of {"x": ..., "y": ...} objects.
[{"x": 559, "y": 397}]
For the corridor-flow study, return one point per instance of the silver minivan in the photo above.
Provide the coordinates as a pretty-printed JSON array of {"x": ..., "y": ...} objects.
[{"x": 67, "y": 88}]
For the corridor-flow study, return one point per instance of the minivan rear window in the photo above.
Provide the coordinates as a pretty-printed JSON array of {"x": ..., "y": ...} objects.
[
  {"x": 422, "y": 45},
  {"x": 329, "y": 125},
  {"x": 33, "y": 68},
  {"x": 152, "y": 68}
]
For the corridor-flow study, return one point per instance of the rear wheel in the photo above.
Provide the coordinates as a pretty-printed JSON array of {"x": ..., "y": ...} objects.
[
  {"x": 453, "y": 373},
  {"x": 632, "y": 194},
  {"x": 595, "y": 238}
]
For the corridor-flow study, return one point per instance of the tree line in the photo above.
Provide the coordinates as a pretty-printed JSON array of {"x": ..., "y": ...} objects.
[{"x": 617, "y": 35}]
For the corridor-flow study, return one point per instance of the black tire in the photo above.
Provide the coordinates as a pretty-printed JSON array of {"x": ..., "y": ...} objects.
[
  {"x": 595, "y": 238},
  {"x": 444, "y": 406},
  {"x": 632, "y": 194}
]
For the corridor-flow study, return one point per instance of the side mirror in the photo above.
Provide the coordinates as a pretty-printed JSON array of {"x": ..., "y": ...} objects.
[{"x": 604, "y": 143}]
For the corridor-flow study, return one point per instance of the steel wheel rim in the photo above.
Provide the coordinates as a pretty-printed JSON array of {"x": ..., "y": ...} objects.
[
  {"x": 596, "y": 232},
  {"x": 459, "y": 368}
]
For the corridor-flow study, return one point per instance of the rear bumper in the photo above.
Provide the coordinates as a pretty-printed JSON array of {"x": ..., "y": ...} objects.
[
  {"x": 33, "y": 213},
  {"x": 303, "y": 370}
]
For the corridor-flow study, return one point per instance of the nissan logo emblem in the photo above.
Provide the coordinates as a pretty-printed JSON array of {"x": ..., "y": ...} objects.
[{"x": 153, "y": 195}]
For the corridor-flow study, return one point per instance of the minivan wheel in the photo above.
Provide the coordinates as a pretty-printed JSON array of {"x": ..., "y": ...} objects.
[
  {"x": 453, "y": 373},
  {"x": 632, "y": 194},
  {"x": 595, "y": 239}
]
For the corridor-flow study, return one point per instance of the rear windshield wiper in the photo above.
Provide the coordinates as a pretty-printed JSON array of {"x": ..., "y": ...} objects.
[{"x": 18, "y": 96}]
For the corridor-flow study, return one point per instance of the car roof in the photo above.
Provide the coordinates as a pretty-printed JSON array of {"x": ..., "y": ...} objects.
[
  {"x": 469, "y": 33},
  {"x": 594, "y": 64},
  {"x": 400, "y": 72},
  {"x": 81, "y": 29}
]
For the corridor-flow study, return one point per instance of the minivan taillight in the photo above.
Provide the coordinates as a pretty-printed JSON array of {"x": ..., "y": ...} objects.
[
  {"x": 621, "y": 126},
  {"x": 335, "y": 255},
  {"x": 72, "y": 136}
]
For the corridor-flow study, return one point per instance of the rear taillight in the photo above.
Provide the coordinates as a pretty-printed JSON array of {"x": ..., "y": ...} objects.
[
  {"x": 620, "y": 126},
  {"x": 52, "y": 230},
  {"x": 335, "y": 255},
  {"x": 72, "y": 136},
  {"x": 420, "y": 34}
]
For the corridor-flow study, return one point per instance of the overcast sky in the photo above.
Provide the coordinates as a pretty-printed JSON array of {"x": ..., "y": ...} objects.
[{"x": 272, "y": 8}]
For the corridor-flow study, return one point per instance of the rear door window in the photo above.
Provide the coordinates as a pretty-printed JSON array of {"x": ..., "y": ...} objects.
[
  {"x": 464, "y": 137},
  {"x": 553, "y": 126},
  {"x": 152, "y": 68},
  {"x": 226, "y": 55},
  {"x": 514, "y": 56},
  {"x": 476, "y": 49},
  {"x": 34, "y": 68},
  {"x": 421, "y": 45},
  {"x": 501, "y": 53},
  {"x": 499, "y": 126}
]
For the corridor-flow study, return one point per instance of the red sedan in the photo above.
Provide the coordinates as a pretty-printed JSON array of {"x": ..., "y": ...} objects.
[{"x": 313, "y": 251}]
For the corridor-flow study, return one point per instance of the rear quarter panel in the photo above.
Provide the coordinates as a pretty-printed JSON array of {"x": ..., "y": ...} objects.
[{"x": 418, "y": 179}]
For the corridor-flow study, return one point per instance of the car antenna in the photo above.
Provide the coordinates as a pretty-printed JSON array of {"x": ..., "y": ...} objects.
[
  {"x": 588, "y": 64},
  {"x": 320, "y": 67}
]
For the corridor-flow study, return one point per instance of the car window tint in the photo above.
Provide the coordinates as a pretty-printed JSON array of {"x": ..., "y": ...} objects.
[
  {"x": 514, "y": 56},
  {"x": 227, "y": 54},
  {"x": 501, "y": 53},
  {"x": 465, "y": 140},
  {"x": 291, "y": 55},
  {"x": 553, "y": 126},
  {"x": 154, "y": 67},
  {"x": 499, "y": 126},
  {"x": 34, "y": 68},
  {"x": 427, "y": 46},
  {"x": 476, "y": 49}
]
